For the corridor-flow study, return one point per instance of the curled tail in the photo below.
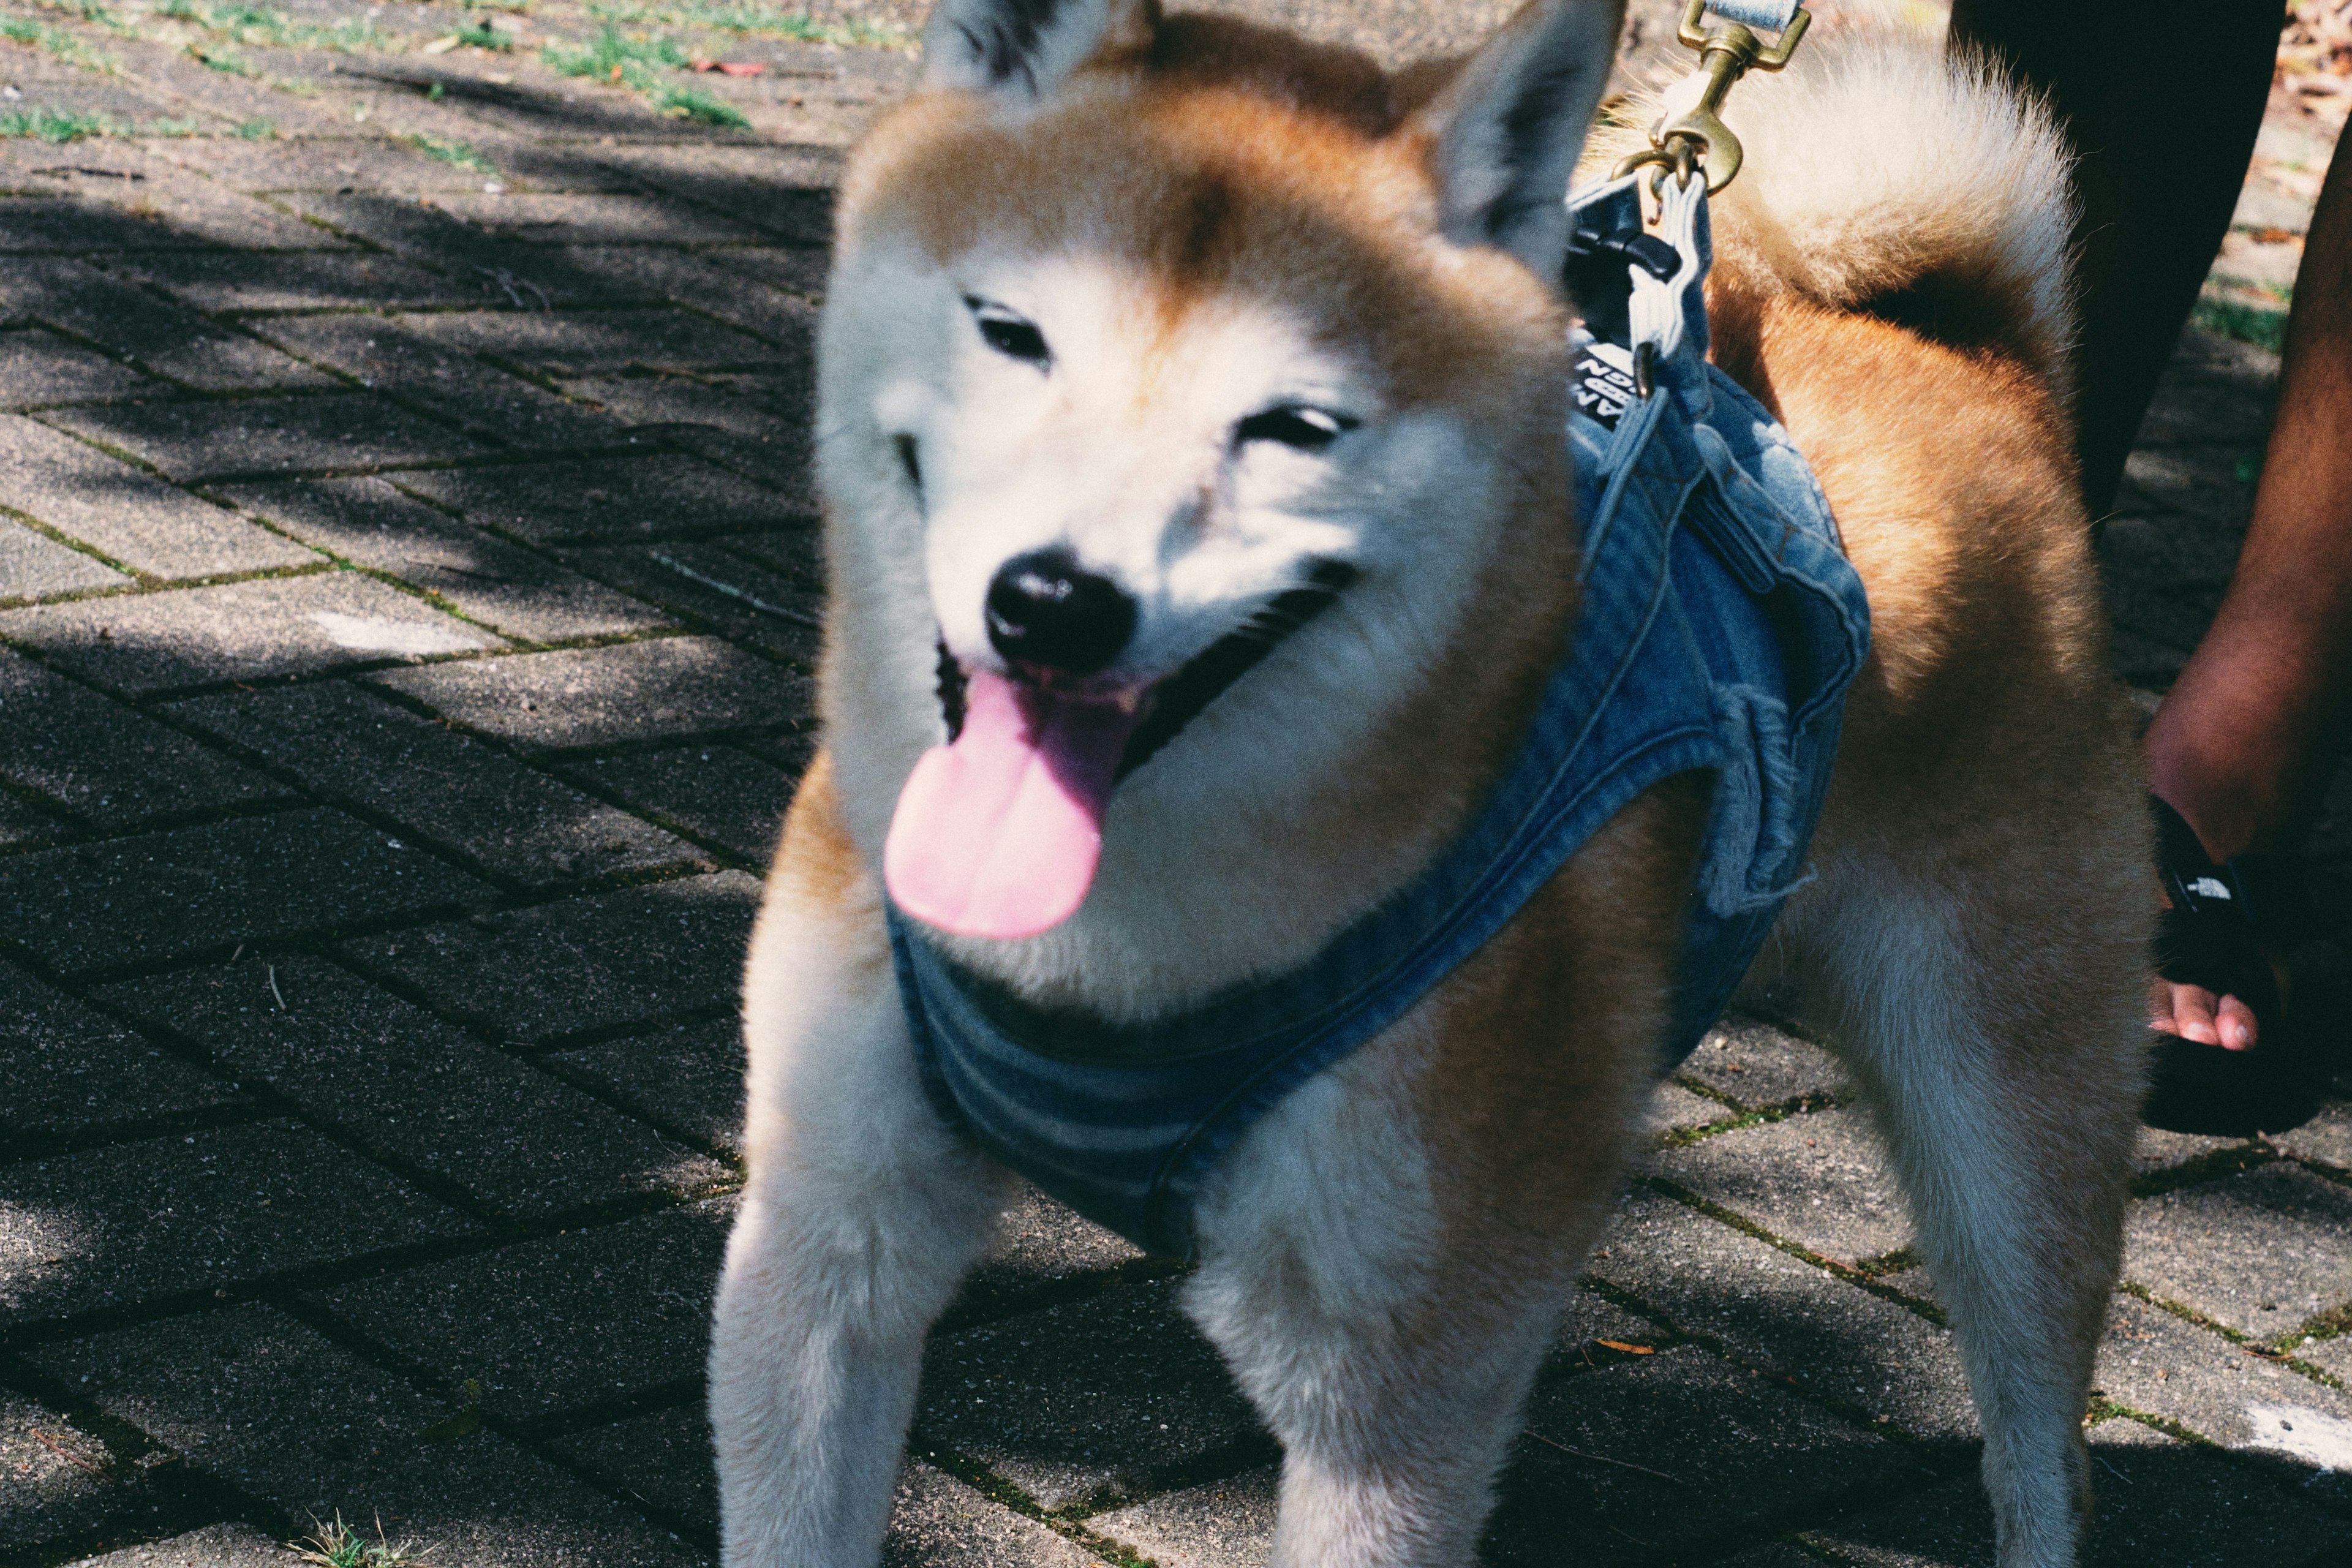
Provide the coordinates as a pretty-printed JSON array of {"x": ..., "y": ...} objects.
[{"x": 1884, "y": 178}]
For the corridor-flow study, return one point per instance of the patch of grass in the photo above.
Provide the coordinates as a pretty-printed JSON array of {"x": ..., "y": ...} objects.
[
  {"x": 227, "y": 61},
  {"x": 773, "y": 21},
  {"x": 259, "y": 130},
  {"x": 55, "y": 43},
  {"x": 2247, "y": 323},
  {"x": 91, "y": 11},
  {"x": 169, "y": 127},
  {"x": 460, "y": 154},
  {"x": 482, "y": 35},
  {"x": 338, "y": 1545},
  {"x": 266, "y": 26},
  {"x": 632, "y": 60},
  {"x": 54, "y": 127},
  {"x": 693, "y": 103}
]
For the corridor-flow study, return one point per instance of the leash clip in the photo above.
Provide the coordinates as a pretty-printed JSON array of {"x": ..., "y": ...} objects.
[{"x": 1697, "y": 134}]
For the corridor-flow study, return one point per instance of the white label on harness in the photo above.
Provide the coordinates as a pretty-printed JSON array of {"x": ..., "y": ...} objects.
[{"x": 1605, "y": 383}]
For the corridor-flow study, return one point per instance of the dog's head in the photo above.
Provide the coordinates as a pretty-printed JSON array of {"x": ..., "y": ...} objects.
[{"x": 1188, "y": 390}]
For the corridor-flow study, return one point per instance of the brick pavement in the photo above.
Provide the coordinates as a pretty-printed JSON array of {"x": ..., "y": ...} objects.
[{"x": 407, "y": 606}]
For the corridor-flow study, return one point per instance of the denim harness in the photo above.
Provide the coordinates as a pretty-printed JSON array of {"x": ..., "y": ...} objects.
[{"x": 1720, "y": 626}]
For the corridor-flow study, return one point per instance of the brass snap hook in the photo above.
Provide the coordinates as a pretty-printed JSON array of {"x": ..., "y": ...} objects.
[{"x": 1726, "y": 55}]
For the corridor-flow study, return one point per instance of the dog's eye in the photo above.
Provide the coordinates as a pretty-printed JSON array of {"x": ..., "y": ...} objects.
[
  {"x": 1010, "y": 334},
  {"x": 1295, "y": 425}
]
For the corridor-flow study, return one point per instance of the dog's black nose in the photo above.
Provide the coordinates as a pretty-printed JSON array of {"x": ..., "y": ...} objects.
[{"x": 1045, "y": 611}]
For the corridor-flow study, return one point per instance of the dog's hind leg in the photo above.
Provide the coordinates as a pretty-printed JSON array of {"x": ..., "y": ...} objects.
[
  {"x": 1994, "y": 1027},
  {"x": 861, "y": 1215}
]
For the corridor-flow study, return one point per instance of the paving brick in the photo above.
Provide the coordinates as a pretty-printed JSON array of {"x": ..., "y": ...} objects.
[
  {"x": 550, "y": 218},
  {"x": 559, "y": 1324},
  {"x": 143, "y": 642},
  {"x": 663, "y": 1459},
  {"x": 2327, "y": 1137},
  {"x": 1040, "y": 1244},
  {"x": 67, "y": 1069},
  {"x": 382, "y": 165},
  {"x": 161, "y": 338},
  {"x": 39, "y": 367},
  {"x": 2161, "y": 1503},
  {"x": 1758, "y": 1065},
  {"x": 1747, "y": 1455},
  {"x": 392, "y": 357},
  {"x": 369, "y": 522},
  {"x": 2157, "y": 1152},
  {"x": 779, "y": 317},
  {"x": 231, "y": 1206},
  {"x": 720, "y": 794},
  {"x": 319, "y": 280},
  {"x": 124, "y": 174},
  {"x": 2298, "y": 1429},
  {"x": 2283, "y": 1252},
  {"x": 645, "y": 691},
  {"x": 1106, "y": 1394},
  {"x": 413, "y": 1090},
  {"x": 1835, "y": 1339},
  {"x": 309, "y": 1429},
  {"x": 2165, "y": 550},
  {"x": 801, "y": 271},
  {"x": 585, "y": 342},
  {"x": 1819, "y": 1180},
  {"x": 55, "y": 1480},
  {"x": 705, "y": 419},
  {"x": 23, "y": 824},
  {"x": 33, "y": 564},
  {"x": 613, "y": 961},
  {"x": 214, "y": 1546},
  {"x": 688, "y": 1076},
  {"x": 132, "y": 518},
  {"x": 346, "y": 744},
  {"x": 106, "y": 764},
  {"x": 34, "y": 224},
  {"x": 1219, "y": 1524},
  {"x": 791, "y": 752},
  {"x": 1676, "y": 1109},
  {"x": 718, "y": 590},
  {"x": 91, "y": 906},
  {"x": 265, "y": 436},
  {"x": 539, "y": 275},
  {"x": 783, "y": 192},
  {"x": 606, "y": 499}
]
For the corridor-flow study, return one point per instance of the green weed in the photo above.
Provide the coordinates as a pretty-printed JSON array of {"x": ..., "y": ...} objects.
[
  {"x": 53, "y": 126},
  {"x": 483, "y": 35},
  {"x": 459, "y": 153},
  {"x": 90, "y": 11},
  {"x": 268, "y": 27},
  {"x": 169, "y": 127},
  {"x": 692, "y": 104},
  {"x": 773, "y": 21},
  {"x": 630, "y": 61},
  {"x": 2247, "y": 323},
  {"x": 259, "y": 130},
  {"x": 55, "y": 43},
  {"x": 227, "y": 61},
  {"x": 338, "y": 1545}
]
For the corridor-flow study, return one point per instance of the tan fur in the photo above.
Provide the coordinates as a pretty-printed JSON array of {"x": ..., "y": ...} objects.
[{"x": 1384, "y": 1254}]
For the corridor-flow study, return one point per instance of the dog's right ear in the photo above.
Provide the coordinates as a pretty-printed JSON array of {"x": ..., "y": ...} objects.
[
  {"x": 1024, "y": 49},
  {"x": 1510, "y": 125}
]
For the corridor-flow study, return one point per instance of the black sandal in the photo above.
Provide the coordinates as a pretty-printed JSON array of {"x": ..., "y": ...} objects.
[{"x": 2225, "y": 925}]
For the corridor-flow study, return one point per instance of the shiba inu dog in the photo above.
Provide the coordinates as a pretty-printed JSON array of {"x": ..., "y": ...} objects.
[{"x": 1201, "y": 542}]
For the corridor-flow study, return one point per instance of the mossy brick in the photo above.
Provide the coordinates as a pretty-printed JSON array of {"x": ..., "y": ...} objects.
[
  {"x": 550, "y": 218},
  {"x": 413, "y": 1090},
  {"x": 69, "y": 1071},
  {"x": 33, "y": 565},
  {"x": 1745, "y": 1455},
  {"x": 143, "y": 644},
  {"x": 161, "y": 338},
  {"x": 1223, "y": 1523},
  {"x": 664, "y": 689},
  {"x": 309, "y": 1429},
  {"x": 743, "y": 599},
  {"x": 2159, "y": 1503},
  {"x": 1835, "y": 1339},
  {"x": 124, "y": 173},
  {"x": 606, "y": 963},
  {"x": 560, "y": 1324},
  {"x": 102, "y": 761},
  {"x": 129, "y": 516},
  {"x": 587, "y": 342},
  {"x": 688, "y": 1076},
  {"x": 604, "y": 500},
  {"x": 184, "y": 1214},
  {"x": 371, "y": 524},
  {"x": 385, "y": 165},
  {"x": 86, "y": 908},
  {"x": 346, "y": 744},
  {"x": 1109, "y": 1393},
  {"x": 393, "y": 358},
  {"x": 57, "y": 1482},
  {"x": 214, "y": 1546},
  {"x": 2285, "y": 1424},
  {"x": 1757, "y": 1065},
  {"x": 237, "y": 283},
  {"x": 38, "y": 367},
  {"x": 1674, "y": 1109},
  {"x": 720, "y": 794},
  {"x": 2263, "y": 1251},
  {"x": 1820, "y": 1180},
  {"x": 257, "y": 438}
]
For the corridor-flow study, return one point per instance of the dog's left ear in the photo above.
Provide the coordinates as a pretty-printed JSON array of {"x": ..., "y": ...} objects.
[
  {"x": 1509, "y": 128},
  {"x": 1024, "y": 49}
]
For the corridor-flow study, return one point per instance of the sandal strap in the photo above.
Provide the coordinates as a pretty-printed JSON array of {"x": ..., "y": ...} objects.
[{"x": 2265, "y": 893}]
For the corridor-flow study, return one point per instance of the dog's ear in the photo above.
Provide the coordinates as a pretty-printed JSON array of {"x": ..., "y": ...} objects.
[
  {"x": 1510, "y": 125},
  {"x": 1023, "y": 49}
]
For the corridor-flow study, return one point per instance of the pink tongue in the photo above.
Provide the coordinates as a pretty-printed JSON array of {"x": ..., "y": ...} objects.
[{"x": 997, "y": 834}]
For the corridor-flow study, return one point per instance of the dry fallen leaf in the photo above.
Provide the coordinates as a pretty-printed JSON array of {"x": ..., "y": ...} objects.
[
  {"x": 440, "y": 46},
  {"x": 1629, "y": 1350}
]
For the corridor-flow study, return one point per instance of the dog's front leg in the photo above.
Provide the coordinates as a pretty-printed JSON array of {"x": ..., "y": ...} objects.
[{"x": 861, "y": 1215}]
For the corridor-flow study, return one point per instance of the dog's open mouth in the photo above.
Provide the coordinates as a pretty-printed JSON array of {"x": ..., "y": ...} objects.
[{"x": 998, "y": 833}]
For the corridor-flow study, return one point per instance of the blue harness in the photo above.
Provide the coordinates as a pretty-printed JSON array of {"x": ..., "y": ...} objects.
[{"x": 1720, "y": 626}]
